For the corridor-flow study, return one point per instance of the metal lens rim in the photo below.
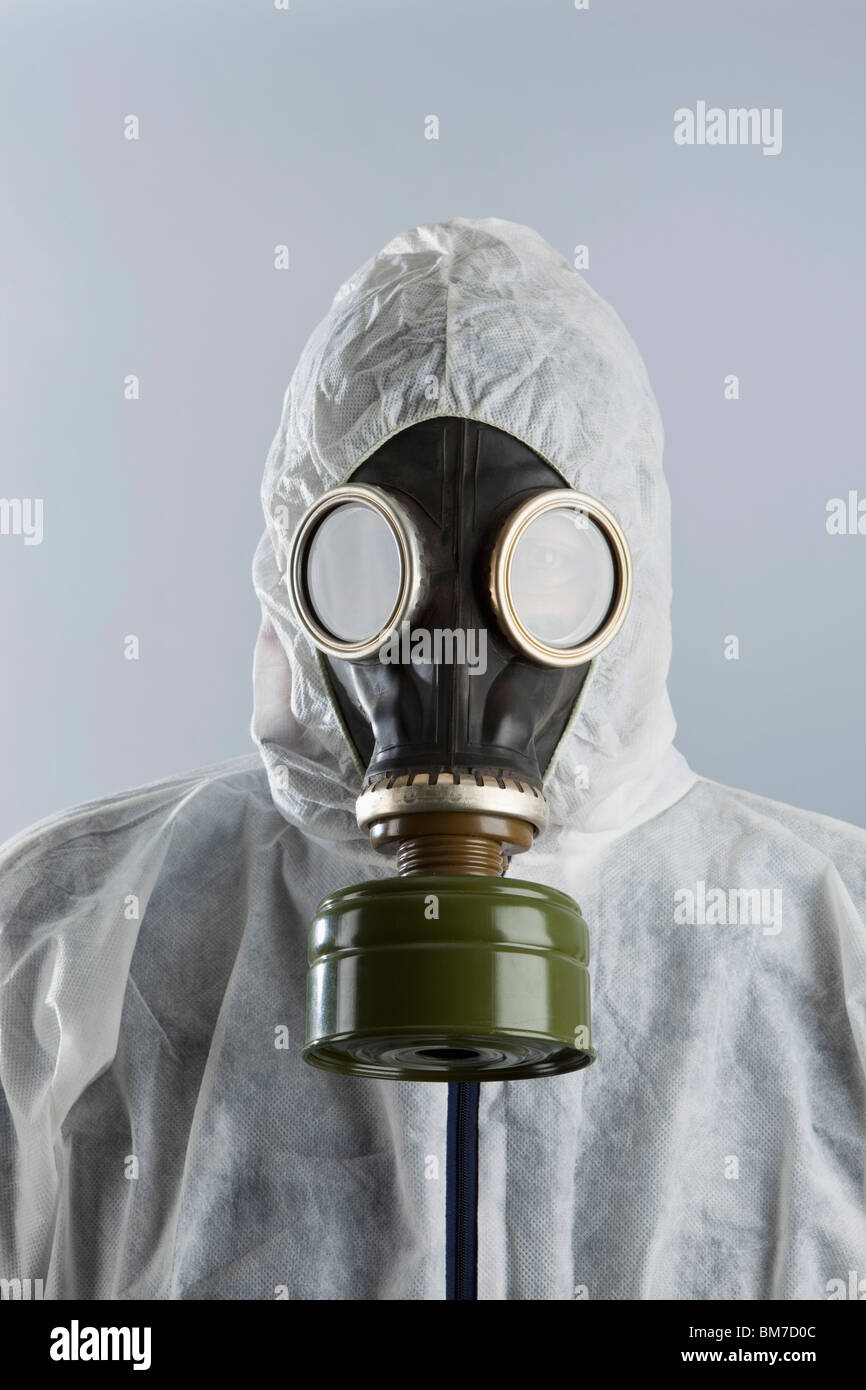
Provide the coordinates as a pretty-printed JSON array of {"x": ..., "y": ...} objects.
[
  {"x": 500, "y": 590},
  {"x": 406, "y": 539}
]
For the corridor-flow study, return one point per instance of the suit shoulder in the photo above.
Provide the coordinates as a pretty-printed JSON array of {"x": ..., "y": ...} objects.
[
  {"x": 813, "y": 826},
  {"x": 813, "y": 839},
  {"x": 62, "y": 861}
]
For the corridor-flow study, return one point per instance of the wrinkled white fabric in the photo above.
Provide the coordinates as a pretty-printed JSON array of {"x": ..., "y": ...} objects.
[{"x": 160, "y": 1136}]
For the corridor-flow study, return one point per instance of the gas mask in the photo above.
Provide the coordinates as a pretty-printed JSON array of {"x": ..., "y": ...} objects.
[{"x": 457, "y": 591}]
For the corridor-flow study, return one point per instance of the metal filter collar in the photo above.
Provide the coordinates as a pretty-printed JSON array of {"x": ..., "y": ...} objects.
[{"x": 504, "y": 795}]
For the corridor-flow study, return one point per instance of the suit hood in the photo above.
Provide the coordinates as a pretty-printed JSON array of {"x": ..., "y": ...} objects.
[{"x": 481, "y": 319}]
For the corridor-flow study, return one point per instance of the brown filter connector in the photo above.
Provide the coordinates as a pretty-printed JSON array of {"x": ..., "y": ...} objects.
[{"x": 451, "y": 842}]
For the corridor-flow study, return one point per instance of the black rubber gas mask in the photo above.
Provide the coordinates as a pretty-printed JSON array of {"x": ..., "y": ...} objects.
[{"x": 457, "y": 590}]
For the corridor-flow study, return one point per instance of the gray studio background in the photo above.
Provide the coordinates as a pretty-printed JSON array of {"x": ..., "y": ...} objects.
[{"x": 306, "y": 127}]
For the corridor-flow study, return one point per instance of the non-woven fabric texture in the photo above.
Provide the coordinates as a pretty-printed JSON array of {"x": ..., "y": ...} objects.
[{"x": 160, "y": 1136}]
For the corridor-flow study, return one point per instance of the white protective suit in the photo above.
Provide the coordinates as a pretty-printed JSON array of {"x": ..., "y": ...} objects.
[{"x": 158, "y": 1141}]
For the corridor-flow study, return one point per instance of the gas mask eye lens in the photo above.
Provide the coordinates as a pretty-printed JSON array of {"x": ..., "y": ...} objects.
[
  {"x": 563, "y": 578},
  {"x": 353, "y": 572},
  {"x": 560, "y": 578}
]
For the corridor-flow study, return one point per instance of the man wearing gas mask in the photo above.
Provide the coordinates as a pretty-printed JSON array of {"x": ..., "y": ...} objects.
[{"x": 346, "y": 1035}]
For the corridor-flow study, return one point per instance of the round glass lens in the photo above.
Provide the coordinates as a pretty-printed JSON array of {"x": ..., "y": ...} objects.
[
  {"x": 562, "y": 578},
  {"x": 353, "y": 572}
]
